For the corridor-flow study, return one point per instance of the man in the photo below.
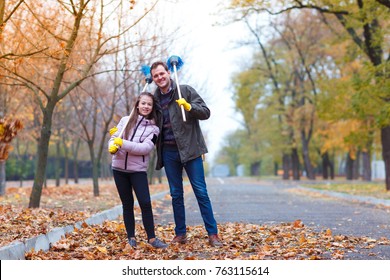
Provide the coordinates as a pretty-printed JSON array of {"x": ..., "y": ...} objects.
[{"x": 181, "y": 145}]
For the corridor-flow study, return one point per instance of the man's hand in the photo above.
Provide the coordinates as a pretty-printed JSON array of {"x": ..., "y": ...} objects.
[
  {"x": 112, "y": 149},
  {"x": 186, "y": 105},
  {"x": 113, "y": 130},
  {"x": 118, "y": 141}
]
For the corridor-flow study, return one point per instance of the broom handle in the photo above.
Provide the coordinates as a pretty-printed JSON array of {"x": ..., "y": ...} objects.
[
  {"x": 178, "y": 90},
  {"x": 124, "y": 127}
]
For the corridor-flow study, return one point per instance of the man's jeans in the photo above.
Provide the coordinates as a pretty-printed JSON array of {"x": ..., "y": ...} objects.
[{"x": 195, "y": 172}]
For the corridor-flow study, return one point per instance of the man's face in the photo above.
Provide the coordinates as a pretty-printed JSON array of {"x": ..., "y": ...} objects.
[{"x": 161, "y": 78}]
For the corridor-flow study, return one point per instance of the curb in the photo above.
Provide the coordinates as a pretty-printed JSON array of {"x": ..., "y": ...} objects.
[
  {"x": 16, "y": 250},
  {"x": 350, "y": 197}
]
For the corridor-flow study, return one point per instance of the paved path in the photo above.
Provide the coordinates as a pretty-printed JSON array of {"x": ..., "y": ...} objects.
[{"x": 263, "y": 202}]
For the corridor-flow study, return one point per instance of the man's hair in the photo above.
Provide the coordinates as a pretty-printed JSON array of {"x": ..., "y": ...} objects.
[{"x": 158, "y": 63}]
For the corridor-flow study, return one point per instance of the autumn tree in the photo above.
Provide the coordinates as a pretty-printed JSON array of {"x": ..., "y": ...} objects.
[
  {"x": 365, "y": 22},
  {"x": 231, "y": 149},
  {"x": 60, "y": 38},
  {"x": 266, "y": 67}
]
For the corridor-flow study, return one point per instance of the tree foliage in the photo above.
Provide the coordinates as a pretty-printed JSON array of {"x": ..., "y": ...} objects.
[
  {"x": 71, "y": 47},
  {"x": 342, "y": 77}
]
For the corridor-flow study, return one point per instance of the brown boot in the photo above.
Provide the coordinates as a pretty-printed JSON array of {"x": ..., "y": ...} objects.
[
  {"x": 215, "y": 241},
  {"x": 181, "y": 239}
]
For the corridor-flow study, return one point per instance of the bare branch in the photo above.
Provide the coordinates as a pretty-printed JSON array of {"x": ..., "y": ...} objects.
[
  {"x": 43, "y": 25},
  {"x": 13, "y": 11},
  {"x": 13, "y": 56},
  {"x": 351, "y": 31},
  {"x": 300, "y": 5},
  {"x": 26, "y": 82}
]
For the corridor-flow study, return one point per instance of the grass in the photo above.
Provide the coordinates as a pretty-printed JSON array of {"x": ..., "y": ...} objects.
[{"x": 371, "y": 189}]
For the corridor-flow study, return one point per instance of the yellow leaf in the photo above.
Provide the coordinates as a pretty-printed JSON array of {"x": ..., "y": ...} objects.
[
  {"x": 297, "y": 224},
  {"x": 102, "y": 249},
  {"x": 302, "y": 239}
]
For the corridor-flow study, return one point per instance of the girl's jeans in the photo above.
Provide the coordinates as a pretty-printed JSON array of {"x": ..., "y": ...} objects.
[{"x": 125, "y": 183}]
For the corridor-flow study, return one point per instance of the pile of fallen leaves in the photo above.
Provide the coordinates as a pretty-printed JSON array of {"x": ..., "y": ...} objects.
[
  {"x": 19, "y": 224},
  {"x": 60, "y": 206},
  {"x": 241, "y": 242}
]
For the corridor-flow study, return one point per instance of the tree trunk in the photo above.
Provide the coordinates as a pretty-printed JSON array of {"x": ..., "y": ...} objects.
[
  {"x": 327, "y": 167},
  {"x": 385, "y": 137},
  {"x": 276, "y": 168},
  {"x": 324, "y": 169},
  {"x": 95, "y": 169},
  {"x": 331, "y": 170},
  {"x": 43, "y": 149},
  {"x": 356, "y": 166},
  {"x": 75, "y": 162},
  {"x": 295, "y": 164},
  {"x": 286, "y": 166},
  {"x": 66, "y": 165},
  {"x": 95, "y": 174},
  {"x": 2, "y": 177},
  {"x": 255, "y": 168},
  {"x": 366, "y": 158},
  {"x": 306, "y": 158},
  {"x": 349, "y": 167},
  {"x": 57, "y": 172}
]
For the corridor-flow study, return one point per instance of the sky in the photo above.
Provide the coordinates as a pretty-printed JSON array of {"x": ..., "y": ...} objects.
[{"x": 211, "y": 57}]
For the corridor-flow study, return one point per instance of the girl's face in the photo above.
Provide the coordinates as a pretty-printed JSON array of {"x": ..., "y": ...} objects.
[{"x": 145, "y": 105}]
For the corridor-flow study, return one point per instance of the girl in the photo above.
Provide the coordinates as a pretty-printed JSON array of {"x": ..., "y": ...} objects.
[{"x": 130, "y": 162}]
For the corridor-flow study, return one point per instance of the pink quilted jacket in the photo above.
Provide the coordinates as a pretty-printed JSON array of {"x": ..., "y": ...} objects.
[{"x": 134, "y": 153}]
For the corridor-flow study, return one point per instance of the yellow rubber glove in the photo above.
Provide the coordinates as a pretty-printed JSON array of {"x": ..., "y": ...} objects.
[
  {"x": 118, "y": 141},
  {"x": 112, "y": 149},
  {"x": 182, "y": 101},
  {"x": 113, "y": 130}
]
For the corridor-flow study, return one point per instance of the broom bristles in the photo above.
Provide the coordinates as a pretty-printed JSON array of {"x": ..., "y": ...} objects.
[
  {"x": 174, "y": 60},
  {"x": 145, "y": 69}
]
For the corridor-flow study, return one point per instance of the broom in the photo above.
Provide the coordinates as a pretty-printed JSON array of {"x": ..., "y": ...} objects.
[
  {"x": 145, "y": 69},
  {"x": 175, "y": 63}
]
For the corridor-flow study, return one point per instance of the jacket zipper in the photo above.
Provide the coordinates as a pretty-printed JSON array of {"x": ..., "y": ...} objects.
[
  {"x": 131, "y": 139},
  {"x": 127, "y": 154},
  {"x": 136, "y": 127}
]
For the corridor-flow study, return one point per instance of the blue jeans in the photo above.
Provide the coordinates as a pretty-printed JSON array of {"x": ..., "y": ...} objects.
[{"x": 194, "y": 169}]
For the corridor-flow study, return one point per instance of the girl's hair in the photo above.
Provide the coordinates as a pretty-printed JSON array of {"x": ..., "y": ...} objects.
[{"x": 134, "y": 115}]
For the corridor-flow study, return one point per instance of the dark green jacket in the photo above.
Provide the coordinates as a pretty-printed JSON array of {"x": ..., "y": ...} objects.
[{"x": 188, "y": 135}]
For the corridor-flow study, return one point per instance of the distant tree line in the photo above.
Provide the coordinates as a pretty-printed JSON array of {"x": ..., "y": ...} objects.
[{"x": 23, "y": 169}]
